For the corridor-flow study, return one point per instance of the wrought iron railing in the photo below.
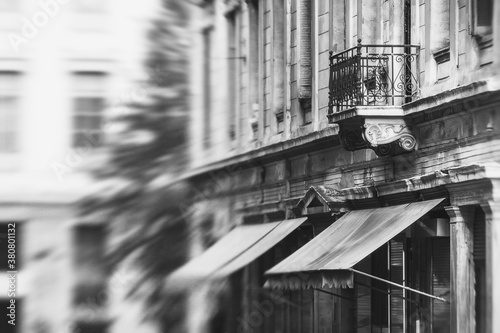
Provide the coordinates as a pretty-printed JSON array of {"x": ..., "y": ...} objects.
[{"x": 373, "y": 75}]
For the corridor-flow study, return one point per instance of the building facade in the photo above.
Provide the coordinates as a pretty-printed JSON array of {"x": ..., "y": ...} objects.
[
  {"x": 65, "y": 66},
  {"x": 334, "y": 116}
]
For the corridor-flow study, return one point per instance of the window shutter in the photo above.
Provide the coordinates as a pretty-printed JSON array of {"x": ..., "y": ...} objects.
[
  {"x": 304, "y": 72},
  {"x": 441, "y": 283},
  {"x": 396, "y": 306},
  {"x": 479, "y": 240}
]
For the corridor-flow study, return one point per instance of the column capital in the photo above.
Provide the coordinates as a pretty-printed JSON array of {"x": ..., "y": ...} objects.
[{"x": 460, "y": 214}]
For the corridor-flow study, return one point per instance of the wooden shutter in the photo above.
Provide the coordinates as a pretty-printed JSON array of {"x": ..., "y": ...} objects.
[
  {"x": 364, "y": 299},
  {"x": 397, "y": 275},
  {"x": 304, "y": 72},
  {"x": 479, "y": 239},
  {"x": 441, "y": 284}
]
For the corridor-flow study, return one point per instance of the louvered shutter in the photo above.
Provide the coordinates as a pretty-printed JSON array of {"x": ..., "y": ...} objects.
[
  {"x": 397, "y": 269},
  {"x": 304, "y": 42},
  {"x": 441, "y": 284}
]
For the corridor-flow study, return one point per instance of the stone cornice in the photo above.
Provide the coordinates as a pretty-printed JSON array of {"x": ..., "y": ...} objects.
[
  {"x": 454, "y": 179},
  {"x": 453, "y": 101},
  {"x": 424, "y": 109},
  {"x": 270, "y": 152}
]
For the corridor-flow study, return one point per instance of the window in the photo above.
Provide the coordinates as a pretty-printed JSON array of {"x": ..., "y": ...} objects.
[
  {"x": 89, "y": 263},
  {"x": 88, "y": 107},
  {"x": 232, "y": 61},
  {"x": 207, "y": 93},
  {"x": 9, "y": 111},
  {"x": 253, "y": 64},
  {"x": 482, "y": 17}
]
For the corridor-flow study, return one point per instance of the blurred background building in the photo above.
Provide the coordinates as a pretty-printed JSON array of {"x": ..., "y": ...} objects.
[
  {"x": 65, "y": 66},
  {"x": 305, "y": 110}
]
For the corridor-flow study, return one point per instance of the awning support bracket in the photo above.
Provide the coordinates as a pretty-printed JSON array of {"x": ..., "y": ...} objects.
[{"x": 398, "y": 285}]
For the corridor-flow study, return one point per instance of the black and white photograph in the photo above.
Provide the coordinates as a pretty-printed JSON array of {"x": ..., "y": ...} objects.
[{"x": 249, "y": 166}]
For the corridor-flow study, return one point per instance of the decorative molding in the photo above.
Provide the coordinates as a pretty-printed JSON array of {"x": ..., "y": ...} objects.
[
  {"x": 352, "y": 139},
  {"x": 385, "y": 137},
  {"x": 332, "y": 200},
  {"x": 442, "y": 55}
]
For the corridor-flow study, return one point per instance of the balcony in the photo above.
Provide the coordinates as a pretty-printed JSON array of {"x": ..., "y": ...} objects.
[{"x": 368, "y": 84}]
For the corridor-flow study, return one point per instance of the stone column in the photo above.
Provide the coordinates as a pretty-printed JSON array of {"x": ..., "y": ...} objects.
[
  {"x": 492, "y": 212},
  {"x": 462, "y": 269}
]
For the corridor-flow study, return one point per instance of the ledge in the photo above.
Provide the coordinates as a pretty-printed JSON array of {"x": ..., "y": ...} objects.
[
  {"x": 480, "y": 89},
  {"x": 268, "y": 152},
  {"x": 367, "y": 111},
  {"x": 454, "y": 175}
]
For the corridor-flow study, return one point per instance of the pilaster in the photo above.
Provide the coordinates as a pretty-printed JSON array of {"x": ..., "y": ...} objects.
[{"x": 462, "y": 268}]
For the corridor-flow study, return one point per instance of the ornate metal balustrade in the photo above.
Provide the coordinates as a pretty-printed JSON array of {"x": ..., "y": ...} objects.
[{"x": 373, "y": 75}]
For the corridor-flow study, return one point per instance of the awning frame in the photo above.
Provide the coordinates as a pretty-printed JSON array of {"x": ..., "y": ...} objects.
[{"x": 398, "y": 285}]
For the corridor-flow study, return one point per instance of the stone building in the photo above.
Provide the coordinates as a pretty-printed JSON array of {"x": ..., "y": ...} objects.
[{"x": 345, "y": 166}]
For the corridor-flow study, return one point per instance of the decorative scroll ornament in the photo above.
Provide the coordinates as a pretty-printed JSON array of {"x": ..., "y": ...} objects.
[
  {"x": 382, "y": 134},
  {"x": 352, "y": 139},
  {"x": 384, "y": 138}
]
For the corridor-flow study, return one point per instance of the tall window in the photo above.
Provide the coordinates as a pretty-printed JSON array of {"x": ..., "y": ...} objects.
[
  {"x": 207, "y": 94},
  {"x": 89, "y": 101},
  {"x": 10, "y": 82},
  {"x": 89, "y": 264},
  {"x": 232, "y": 58},
  {"x": 253, "y": 63}
]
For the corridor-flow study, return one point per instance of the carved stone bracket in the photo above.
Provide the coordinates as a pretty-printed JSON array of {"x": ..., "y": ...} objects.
[{"x": 385, "y": 136}]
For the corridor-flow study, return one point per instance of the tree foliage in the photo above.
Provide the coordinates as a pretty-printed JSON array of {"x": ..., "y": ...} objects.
[{"x": 139, "y": 194}]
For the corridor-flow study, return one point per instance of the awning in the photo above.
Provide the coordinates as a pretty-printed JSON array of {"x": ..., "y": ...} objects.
[
  {"x": 328, "y": 259},
  {"x": 237, "y": 249}
]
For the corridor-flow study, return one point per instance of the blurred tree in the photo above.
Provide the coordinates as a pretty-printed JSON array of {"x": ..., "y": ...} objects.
[{"x": 138, "y": 192}]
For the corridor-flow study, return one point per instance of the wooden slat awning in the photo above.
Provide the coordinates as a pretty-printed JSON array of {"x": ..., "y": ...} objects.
[
  {"x": 237, "y": 249},
  {"x": 329, "y": 257}
]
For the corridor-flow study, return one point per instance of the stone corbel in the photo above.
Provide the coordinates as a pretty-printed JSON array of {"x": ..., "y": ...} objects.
[
  {"x": 384, "y": 137},
  {"x": 389, "y": 138}
]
